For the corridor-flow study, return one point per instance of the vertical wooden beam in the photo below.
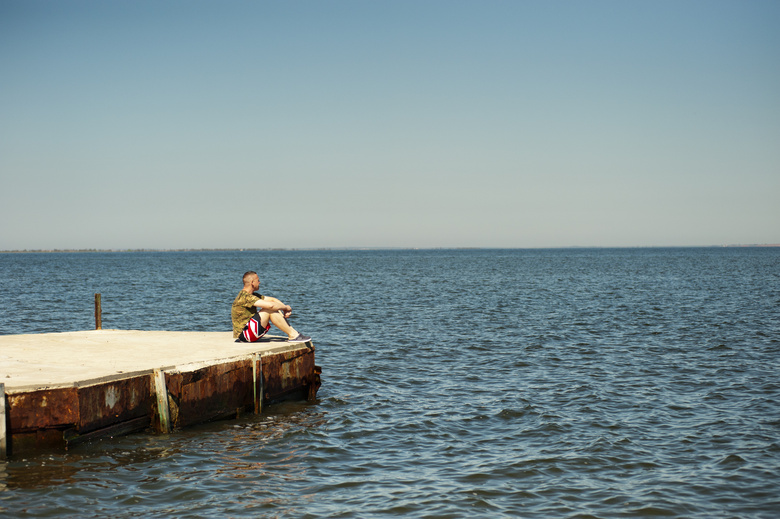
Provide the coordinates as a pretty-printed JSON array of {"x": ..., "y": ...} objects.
[
  {"x": 98, "y": 313},
  {"x": 257, "y": 379},
  {"x": 3, "y": 430},
  {"x": 161, "y": 391}
]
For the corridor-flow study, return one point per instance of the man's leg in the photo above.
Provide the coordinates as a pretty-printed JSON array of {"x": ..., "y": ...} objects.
[{"x": 278, "y": 320}]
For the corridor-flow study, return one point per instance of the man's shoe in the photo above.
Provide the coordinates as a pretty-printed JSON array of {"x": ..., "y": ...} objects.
[{"x": 301, "y": 338}]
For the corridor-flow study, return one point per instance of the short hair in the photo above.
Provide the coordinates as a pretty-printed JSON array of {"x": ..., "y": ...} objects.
[{"x": 248, "y": 275}]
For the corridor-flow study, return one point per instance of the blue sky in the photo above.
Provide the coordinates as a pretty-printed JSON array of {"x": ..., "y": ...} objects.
[{"x": 305, "y": 124}]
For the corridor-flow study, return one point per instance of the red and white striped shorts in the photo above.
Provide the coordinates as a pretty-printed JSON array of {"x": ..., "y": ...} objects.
[{"x": 253, "y": 330}]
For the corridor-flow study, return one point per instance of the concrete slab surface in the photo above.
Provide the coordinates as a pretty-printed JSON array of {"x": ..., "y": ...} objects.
[{"x": 68, "y": 359}]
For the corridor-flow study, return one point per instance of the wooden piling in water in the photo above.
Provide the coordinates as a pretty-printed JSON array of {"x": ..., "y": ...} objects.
[
  {"x": 98, "y": 313},
  {"x": 161, "y": 393},
  {"x": 257, "y": 382}
]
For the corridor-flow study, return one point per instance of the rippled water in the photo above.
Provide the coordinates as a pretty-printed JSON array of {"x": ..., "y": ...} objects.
[{"x": 469, "y": 383}]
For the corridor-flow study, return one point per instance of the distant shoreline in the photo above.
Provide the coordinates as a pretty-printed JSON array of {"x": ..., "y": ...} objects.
[{"x": 45, "y": 251}]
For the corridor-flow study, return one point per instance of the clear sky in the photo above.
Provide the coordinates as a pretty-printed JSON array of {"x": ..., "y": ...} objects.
[{"x": 306, "y": 124}]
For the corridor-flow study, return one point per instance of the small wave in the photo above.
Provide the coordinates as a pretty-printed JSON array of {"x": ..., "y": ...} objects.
[
  {"x": 511, "y": 414},
  {"x": 732, "y": 460}
]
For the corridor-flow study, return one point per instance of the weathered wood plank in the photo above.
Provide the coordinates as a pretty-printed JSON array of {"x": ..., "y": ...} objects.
[{"x": 161, "y": 394}]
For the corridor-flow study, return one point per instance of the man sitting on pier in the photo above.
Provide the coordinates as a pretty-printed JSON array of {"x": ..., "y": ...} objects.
[{"x": 253, "y": 314}]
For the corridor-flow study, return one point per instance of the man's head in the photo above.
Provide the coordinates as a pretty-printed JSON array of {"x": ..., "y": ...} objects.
[{"x": 251, "y": 281}]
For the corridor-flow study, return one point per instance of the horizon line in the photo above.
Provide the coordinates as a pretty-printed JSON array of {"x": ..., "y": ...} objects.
[{"x": 281, "y": 249}]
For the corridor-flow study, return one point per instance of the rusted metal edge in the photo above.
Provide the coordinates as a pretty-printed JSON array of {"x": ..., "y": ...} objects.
[
  {"x": 3, "y": 425},
  {"x": 210, "y": 392},
  {"x": 72, "y": 436},
  {"x": 86, "y": 383},
  {"x": 123, "y": 403},
  {"x": 174, "y": 368}
]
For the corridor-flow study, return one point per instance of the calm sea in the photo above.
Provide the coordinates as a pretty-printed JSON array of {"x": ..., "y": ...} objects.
[{"x": 456, "y": 383}]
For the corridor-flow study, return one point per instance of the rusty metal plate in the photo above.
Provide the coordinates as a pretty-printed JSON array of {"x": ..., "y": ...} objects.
[
  {"x": 287, "y": 372},
  {"x": 213, "y": 392},
  {"x": 42, "y": 409},
  {"x": 109, "y": 403}
]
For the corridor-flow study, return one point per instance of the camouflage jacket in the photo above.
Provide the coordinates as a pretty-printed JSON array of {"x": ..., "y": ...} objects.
[{"x": 243, "y": 309}]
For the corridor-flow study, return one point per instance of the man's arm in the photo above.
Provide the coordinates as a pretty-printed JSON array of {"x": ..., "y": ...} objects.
[{"x": 271, "y": 304}]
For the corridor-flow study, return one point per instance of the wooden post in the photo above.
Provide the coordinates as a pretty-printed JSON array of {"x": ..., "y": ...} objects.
[
  {"x": 162, "y": 400},
  {"x": 3, "y": 432},
  {"x": 257, "y": 378},
  {"x": 98, "y": 313}
]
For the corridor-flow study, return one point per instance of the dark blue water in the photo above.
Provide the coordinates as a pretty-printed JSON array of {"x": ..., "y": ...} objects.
[{"x": 468, "y": 383}]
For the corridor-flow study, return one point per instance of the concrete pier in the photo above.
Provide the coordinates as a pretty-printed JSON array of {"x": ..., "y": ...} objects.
[{"x": 59, "y": 389}]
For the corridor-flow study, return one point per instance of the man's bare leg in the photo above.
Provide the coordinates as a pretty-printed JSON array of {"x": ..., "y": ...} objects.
[{"x": 278, "y": 320}]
